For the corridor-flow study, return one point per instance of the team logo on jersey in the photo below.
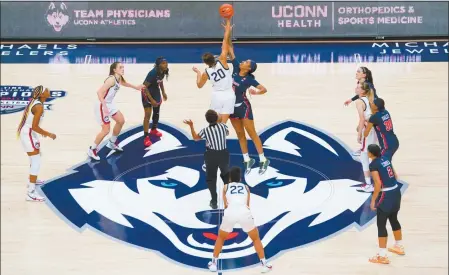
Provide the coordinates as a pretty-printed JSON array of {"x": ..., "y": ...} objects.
[
  {"x": 15, "y": 98},
  {"x": 157, "y": 199}
]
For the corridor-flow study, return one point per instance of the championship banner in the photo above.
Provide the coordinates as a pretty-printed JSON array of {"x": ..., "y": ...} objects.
[{"x": 200, "y": 20}]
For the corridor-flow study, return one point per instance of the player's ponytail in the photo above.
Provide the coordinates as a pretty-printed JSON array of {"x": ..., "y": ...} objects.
[
  {"x": 37, "y": 92},
  {"x": 368, "y": 75}
]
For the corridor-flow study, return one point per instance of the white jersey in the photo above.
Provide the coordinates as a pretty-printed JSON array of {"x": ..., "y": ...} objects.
[
  {"x": 220, "y": 77},
  {"x": 237, "y": 194},
  {"x": 367, "y": 113},
  {"x": 29, "y": 121},
  {"x": 110, "y": 94}
]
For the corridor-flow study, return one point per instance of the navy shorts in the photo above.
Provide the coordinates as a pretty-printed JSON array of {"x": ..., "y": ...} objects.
[
  {"x": 146, "y": 102},
  {"x": 391, "y": 150},
  {"x": 390, "y": 201},
  {"x": 243, "y": 111}
]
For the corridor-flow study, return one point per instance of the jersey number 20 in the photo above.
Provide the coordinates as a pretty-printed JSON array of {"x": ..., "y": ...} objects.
[
  {"x": 219, "y": 75},
  {"x": 239, "y": 190}
]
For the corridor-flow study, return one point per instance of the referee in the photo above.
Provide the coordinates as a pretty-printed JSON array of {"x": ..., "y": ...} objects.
[{"x": 216, "y": 155}]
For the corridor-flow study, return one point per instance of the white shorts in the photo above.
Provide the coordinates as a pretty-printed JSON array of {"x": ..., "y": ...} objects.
[
  {"x": 223, "y": 102},
  {"x": 30, "y": 140},
  {"x": 370, "y": 139},
  {"x": 99, "y": 113},
  {"x": 238, "y": 215}
]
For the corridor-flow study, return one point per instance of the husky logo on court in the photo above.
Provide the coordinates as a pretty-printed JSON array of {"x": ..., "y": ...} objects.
[
  {"x": 15, "y": 98},
  {"x": 157, "y": 199}
]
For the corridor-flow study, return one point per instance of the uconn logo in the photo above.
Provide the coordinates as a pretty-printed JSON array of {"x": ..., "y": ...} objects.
[{"x": 157, "y": 199}]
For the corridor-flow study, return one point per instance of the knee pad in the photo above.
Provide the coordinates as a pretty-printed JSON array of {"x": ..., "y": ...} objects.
[
  {"x": 364, "y": 159},
  {"x": 35, "y": 164}
]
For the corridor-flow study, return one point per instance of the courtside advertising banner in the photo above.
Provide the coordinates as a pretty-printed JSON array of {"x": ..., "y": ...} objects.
[{"x": 196, "y": 20}]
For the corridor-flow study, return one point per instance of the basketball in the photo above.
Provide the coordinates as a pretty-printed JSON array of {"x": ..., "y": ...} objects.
[{"x": 226, "y": 11}]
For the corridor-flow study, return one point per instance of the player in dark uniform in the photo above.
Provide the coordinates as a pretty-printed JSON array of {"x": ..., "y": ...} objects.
[
  {"x": 151, "y": 97},
  {"x": 386, "y": 200},
  {"x": 242, "y": 120},
  {"x": 381, "y": 120}
]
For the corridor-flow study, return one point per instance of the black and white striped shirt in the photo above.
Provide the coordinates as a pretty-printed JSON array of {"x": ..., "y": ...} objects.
[{"x": 215, "y": 136}]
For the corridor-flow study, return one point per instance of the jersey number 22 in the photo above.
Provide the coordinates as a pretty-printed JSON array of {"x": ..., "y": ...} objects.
[{"x": 239, "y": 190}]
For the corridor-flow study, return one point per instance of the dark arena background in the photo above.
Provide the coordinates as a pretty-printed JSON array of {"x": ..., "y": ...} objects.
[{"x": 146, "y": 210}]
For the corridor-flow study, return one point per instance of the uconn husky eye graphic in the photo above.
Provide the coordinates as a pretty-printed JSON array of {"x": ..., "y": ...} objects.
[{"x": 157, "y": 199}]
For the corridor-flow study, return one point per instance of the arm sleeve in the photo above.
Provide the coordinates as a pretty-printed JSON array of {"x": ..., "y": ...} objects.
[{"x": 235, "y": 65}]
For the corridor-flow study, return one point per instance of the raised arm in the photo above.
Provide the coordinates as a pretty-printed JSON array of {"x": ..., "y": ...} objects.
[
  {"x": 225, "y": 45},
  {"x": 195, "y": 136},
  {"x": 201, "y": 78}
]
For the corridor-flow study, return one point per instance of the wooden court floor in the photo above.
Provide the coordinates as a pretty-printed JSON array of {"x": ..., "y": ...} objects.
[{"x": 34, "y": 240}]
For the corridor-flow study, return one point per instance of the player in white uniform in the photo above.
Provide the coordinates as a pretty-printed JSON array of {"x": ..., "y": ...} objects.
[
  {"x": 105, "y": 109},
  {"x": 219, "y": 73},
  {"x": 236, "y": 197},
  {"x": 363, "y": 105},
  {"x": 28, "y": 131}
]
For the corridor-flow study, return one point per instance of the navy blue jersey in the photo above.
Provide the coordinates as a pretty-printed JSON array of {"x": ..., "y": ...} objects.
[
  {"x": 241, "y": 83},
  {"x": 154, "y": 81},
  {"x": 385, "y": 169},
  {"x": 383, "y": 126}
]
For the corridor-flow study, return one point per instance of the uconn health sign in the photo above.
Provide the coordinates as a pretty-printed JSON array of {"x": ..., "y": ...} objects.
[{"x": 198, "y": 20}]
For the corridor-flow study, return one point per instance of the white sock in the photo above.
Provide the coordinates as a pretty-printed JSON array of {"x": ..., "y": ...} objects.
[
  {"x": 262, "y": 157},
  {"x": 31, "y": 187},
  {"x": 113, "y": 139},
  {"x": 368, "y": 180},
  {"x": 399, "y": 243},
  {"x": 383, "y": 252},
  {"x": 214, "y": 260},
  {"x": 93, "y": 147},
  {"x": 263, "y": 261},
  {"x": 246, "y": 157}
]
